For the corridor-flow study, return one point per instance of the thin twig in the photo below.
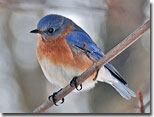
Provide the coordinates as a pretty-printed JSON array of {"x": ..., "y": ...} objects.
[
  {"x": 140, "y": 97},
  {"x": 142, "y": 106},
  {"x": 108, "y": 57}
]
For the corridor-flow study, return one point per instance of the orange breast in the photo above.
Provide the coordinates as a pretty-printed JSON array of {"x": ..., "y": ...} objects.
[{"x": 59, "y": 53}]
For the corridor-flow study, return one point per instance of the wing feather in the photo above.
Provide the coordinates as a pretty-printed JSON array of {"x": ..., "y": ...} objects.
[{"x": 76, "y": 39}]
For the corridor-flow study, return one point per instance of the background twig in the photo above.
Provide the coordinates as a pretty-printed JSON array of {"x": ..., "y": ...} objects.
[
  {"x": 140, "y": 97},
  {"x": 108, "y": 57}
]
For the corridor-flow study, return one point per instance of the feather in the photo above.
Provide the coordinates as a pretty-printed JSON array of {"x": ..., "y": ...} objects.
[
  {"x": 104, "y": 75},
  {"x": 107, "y": 73},
  {"x": 77, "y": 38}
]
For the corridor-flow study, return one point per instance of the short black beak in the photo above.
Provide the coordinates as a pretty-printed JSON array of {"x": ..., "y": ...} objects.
[{"x": 35, "y": 31}]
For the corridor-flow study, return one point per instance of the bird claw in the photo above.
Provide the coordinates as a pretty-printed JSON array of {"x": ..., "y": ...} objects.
[
  {"x": 94, "y": 79},
  {"x": 74, "y": 83},
  {"x": 53, "y": 98}
]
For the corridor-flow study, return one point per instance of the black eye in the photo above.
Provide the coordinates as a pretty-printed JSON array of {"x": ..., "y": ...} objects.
[{"x": 51, "y": 30}]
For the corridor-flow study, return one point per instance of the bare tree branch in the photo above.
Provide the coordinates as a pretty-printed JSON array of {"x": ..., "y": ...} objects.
[
  {"x": 142, "y": 106},
  {"x": 108, "y": 57},
  {"x": 140, "y": 97}
]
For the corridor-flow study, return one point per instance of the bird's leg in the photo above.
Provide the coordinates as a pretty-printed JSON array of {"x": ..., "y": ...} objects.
[
  {"x": 74, "y": 83},
  {"x": 53, "y": 98},
  {"x": 94, "y": 79},
  {"x": 85, "y": 51}
]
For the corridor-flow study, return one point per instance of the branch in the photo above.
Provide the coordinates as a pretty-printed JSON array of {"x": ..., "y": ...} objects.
[
  {"x": 142, "y": 106},
  {"x": 140, "y": 97},
  {"x": 107, "y": 58}
]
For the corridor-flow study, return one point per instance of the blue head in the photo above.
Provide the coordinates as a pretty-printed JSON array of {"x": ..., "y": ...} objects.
[{"x": 52, "y": 26}]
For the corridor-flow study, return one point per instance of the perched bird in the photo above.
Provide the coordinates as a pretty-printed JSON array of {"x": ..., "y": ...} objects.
[{"x": 65, "y": 50}]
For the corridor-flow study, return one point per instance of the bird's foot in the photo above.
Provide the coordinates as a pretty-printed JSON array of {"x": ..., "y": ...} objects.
[
  {"x": 53, "y": 98},
  {"x": 94, "y": 79},
  {"x": 74, "y": 83}
]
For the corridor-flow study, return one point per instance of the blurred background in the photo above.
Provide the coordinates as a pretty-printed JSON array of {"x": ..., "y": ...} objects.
[{"x": 23, "y": 86}]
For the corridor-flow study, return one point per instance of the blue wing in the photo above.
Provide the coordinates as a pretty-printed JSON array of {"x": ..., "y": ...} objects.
[{"x": 77, "y": 38}]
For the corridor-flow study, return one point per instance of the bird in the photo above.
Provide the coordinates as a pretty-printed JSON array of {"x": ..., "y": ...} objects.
[{"x": 65, "y": 51}]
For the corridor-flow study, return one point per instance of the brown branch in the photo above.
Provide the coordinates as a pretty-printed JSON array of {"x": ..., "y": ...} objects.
[
  {"x": 142, "y": 106},
  {"x": 140, "y": 97},
  {"x": 108, "y": 57}
]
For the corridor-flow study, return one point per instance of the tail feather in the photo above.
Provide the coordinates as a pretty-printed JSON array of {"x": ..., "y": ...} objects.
[
  {"x": 132, "y": 93},
  {"x": 121, "y": 91},
  {"x": 105, "y": 76}
]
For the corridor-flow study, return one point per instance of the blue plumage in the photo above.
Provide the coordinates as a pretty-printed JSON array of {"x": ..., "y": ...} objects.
[
  {"x": 50, "y": 21},
  {"x": 77, "y": 38},
  {"x": 58, "y": 28}
]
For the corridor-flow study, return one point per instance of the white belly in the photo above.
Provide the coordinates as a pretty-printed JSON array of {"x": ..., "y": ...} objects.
[{"x": 61, "y": 76}]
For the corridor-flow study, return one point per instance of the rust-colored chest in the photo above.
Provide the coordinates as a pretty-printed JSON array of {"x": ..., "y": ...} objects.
[
  {"x": 55, "y": 50},
  {"x": 59, "y": 53}
]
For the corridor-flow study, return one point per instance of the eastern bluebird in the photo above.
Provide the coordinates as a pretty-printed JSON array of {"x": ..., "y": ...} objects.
[{"x": 65, "y": 50}]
